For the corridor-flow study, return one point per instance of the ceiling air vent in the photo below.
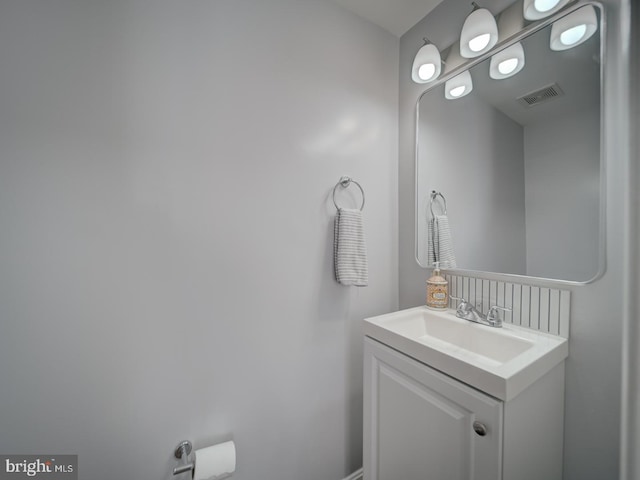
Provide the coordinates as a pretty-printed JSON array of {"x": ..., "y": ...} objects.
[{"x": 540, "y": 96}]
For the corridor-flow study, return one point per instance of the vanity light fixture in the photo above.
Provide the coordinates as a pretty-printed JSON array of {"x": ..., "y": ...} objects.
[
  {"x": 537, "y": 9},
  {"x": 427, "y": 65},
  {"x": 479, "y": 32},
  {"x": 574, "y": 29},
  {"x": 507, "y": 63},
  {"x": 458, "y": 86}
]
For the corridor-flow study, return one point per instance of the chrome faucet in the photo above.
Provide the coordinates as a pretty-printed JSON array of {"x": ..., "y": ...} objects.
[{"x": 466, "y": 311}]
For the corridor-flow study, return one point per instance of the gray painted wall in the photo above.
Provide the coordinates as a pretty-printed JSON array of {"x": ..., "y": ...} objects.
[
  {"x": 166, "y": 243},
  {"x": 481, "y": 177},
  {"x": 562, "y": 174},
  {"x": 592, "y": 420}
]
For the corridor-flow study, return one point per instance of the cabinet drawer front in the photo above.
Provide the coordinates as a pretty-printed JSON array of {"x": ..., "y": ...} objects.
[{"x": 419, "y": 423}]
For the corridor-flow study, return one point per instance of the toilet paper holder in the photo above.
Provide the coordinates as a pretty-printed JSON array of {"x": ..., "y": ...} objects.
[{"x": 183, "y": 450}]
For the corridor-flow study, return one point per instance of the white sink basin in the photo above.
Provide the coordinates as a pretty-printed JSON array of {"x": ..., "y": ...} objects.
[{"x": 499, "y": 361}]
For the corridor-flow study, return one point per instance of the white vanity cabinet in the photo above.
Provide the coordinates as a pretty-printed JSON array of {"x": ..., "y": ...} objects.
[{"x": 420, "y": 424}]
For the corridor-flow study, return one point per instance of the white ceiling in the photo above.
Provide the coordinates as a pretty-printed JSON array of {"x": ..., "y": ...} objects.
[{"x": 395, "y": 16}]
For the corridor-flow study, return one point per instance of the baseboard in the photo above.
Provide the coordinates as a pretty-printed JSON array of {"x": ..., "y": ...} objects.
[{"x": 357, "y": 475}]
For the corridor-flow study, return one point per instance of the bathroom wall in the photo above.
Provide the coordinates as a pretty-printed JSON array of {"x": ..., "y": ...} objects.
[
  {"x": 166, "y": 171},
  {"x": 479, "y": 178},
  {"x": 593, "y": 381},
  {"x": 563, "y": 170}
]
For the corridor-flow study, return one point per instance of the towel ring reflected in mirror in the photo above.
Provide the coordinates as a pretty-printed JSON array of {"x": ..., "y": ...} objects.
[
  {"x": 345, "y": 182},
  {"x": 435, "y": 195}
]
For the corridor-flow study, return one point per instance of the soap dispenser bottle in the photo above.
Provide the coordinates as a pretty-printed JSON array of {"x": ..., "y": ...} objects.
[{"x": 437, "y": 290}]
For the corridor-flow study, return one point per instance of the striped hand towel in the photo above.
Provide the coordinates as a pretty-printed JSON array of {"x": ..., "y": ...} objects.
[
  {"x": 349, "y": 249},
  {"x": 439, "y": 242}
]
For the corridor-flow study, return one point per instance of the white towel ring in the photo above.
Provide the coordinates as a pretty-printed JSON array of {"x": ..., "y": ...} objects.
[
  {"x": 344, "y": 182},
  {"x": 435, "y": 194}
]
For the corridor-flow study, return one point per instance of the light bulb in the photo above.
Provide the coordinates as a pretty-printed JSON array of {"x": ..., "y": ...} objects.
[
  {"x": 479, "y": 33},
  {"x": 427, "y": 64},
  {"x": 573, "y": 35},
  {"x": 459, "y": 86},
  {"x": 506, "y": 63},
  {"x": 573, "y": 29},
  {"x": 537, "y": 9},
  {"x": 478, "y": 43},
  {"x": 426, "y": 71},
  {"x": 507, "y": 66},
  {"x": 457, "y": 91},
  {"x": 543, "y": 6}
]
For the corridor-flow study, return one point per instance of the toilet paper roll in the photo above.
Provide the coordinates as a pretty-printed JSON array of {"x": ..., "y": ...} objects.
[{"x": 215, "y": 462}]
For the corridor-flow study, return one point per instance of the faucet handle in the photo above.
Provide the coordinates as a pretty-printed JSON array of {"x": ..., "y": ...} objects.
[
  {"x": 463, "y": 306},
  {"x": 504, "y": 309},
  {"x": 493, "y": 316},
  {"x": 464, "y": 302}
]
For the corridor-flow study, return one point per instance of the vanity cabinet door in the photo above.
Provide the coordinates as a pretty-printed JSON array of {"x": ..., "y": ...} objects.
[{"x": 419, "y": 423}]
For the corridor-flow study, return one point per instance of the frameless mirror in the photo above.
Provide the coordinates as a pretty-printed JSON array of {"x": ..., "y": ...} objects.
[{"x": 519, "y": 163}]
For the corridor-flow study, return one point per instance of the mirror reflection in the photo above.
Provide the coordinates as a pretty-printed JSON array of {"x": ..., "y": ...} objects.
[{"x": 513, "y": 145}]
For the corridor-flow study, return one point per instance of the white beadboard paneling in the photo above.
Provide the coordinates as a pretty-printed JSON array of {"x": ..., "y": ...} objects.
[
  {"x": 472, "y": 291},
  {"x": 500, "y": 298},
  {"x": 486, "y": 300},
  {"x": 534, "y": 308},
  {"x": 452, "y": 288},
  {"x": 466, "y": 287},
  {"x": 525, "y": 310},
  {"x": 517, "y": 304},
  {"x": 544, "y": 309},
  {"x": 478, "y": 287},
  {"x": 565, "y": 312},
  {"x": 554, "y": 312},
  {"x": 540, "y": 308},
  {"x": 508, "y": 302},
  {"x": 493, "y": 295}
]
